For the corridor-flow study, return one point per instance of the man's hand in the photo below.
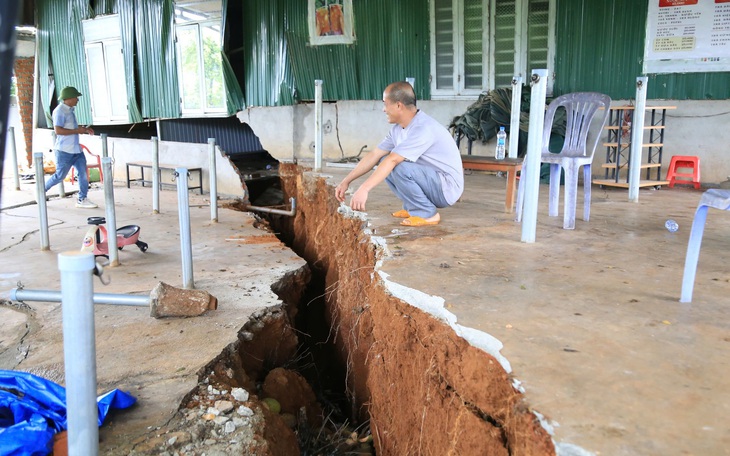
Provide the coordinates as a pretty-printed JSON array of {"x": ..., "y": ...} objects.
[
  {"x": 359, "y": 198},
  {"x": 88, "y": 130},
  {"x": 340, "y": 191}
]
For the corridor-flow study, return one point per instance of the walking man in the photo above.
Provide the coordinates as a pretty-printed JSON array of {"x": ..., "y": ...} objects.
[
  {"x": 68, "y": 151},
  {"x": 418, "y": 159}
]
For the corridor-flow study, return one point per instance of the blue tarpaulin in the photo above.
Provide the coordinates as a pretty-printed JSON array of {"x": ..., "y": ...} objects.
[{"x": 33, "y": 409}]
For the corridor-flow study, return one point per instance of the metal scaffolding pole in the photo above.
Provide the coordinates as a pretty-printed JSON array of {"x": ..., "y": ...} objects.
[
  {"x": 79, "y": 351},
  {"x": 534, "y": 148}
]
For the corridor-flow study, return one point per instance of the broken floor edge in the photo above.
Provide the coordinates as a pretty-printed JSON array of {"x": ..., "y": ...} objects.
[{"x": 434, "y": 306}]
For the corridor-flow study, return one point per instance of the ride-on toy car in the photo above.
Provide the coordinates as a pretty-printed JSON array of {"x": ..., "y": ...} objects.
[{"x": 96, "y": 238}]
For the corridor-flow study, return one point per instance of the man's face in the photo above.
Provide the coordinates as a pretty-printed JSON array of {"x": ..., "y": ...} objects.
[
  {"x": 391, "y": 109},
  {"x": 72, "y": 102}
]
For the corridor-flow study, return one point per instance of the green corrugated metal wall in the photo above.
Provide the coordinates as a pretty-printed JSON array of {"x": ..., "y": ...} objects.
[
  {"x": 156, "y": 65},
  {"x": 62, "y": 21},
  {"x": 149, "y": 56},
  {"x": 392, "y": 43},
  {"x": 600, "y": 47}
]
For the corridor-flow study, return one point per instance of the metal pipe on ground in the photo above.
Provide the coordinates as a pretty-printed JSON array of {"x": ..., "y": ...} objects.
[
  {"x": 213, "y": 178},
  {"x": 111, "y": 214},
  {"x": 531, "y": 178},
  {"x": 40, "y": 186},
  {"x": 104, "y": 146},
  {"x": 14, "y": 157},
  {"x": 61, "y": 188},
  {"x": 270, "y": 210},
  {"x": 79, "y": 351},
  {"x": 164, "y": 300},
  {"x": 318, "y": 125},
  {"x": 183, "y": 210},
  {"x": 637, "y": 136},
  {"x": 514, "y": 122},
  {"x": 155, "y": 176}
]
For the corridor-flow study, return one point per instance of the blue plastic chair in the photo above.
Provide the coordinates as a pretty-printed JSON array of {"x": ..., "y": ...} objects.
[
  {"x": 719, "y": 199},
  {"x": 580, "y": 109}
]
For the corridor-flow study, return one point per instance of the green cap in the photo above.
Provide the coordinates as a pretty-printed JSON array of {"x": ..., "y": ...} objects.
[{"x": 69, "y": 92}]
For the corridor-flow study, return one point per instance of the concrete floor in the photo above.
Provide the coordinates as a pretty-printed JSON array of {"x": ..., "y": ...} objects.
[
  {"x": 156, "y": 360},
  {"x": 590, "y": 318}
]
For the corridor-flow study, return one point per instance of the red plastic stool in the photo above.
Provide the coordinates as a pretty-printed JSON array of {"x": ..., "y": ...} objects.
[{"x": 685, "y": 162}]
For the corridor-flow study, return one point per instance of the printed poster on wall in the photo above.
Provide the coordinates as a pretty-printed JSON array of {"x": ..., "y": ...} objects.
[
  {"x": 687, "y": 36},
  {"x": 330, "y": 22}
]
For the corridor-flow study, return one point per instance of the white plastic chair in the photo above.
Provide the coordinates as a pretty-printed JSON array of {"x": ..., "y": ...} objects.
[
  {"x": 580, "y": 109},
  {"x": 719, "y": 199}
]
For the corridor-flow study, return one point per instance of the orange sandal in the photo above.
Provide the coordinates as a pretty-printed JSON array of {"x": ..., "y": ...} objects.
[
  {"x": 418, "y": 221},
  {"x": 401, "y": 214}
]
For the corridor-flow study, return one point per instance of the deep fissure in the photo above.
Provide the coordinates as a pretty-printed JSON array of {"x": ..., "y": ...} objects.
[{"x": 383, "y": 373}]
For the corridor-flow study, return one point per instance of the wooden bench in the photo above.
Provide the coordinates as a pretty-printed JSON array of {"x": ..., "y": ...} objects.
[
  {"x": 508, "y": 165},
  {"x": 143, "y": 165}
]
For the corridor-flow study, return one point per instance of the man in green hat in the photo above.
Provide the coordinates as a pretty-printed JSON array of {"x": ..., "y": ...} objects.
[{"x": 68, "y": 151}]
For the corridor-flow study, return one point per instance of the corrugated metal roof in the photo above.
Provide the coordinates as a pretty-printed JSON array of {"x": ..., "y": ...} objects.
[{"x": 62, "y": 23}]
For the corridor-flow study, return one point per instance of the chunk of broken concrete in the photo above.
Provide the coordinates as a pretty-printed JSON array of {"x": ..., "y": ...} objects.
[{"x": 168, "y": 301}]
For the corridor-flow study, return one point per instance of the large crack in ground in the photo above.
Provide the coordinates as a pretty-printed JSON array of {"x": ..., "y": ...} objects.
[
  {"x": 424, "y": 389},
  {"x": 413, "y": 384}
]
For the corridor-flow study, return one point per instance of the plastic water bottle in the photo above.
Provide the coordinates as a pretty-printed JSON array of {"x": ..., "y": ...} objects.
[
  {"x": 501, "y": 142},
  {"x": 671, "y": 225}
]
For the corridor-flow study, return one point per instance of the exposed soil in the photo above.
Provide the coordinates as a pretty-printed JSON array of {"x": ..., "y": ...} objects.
[
  {"x": 424, "y": 389},
  {"x": 416, "y": 386}
]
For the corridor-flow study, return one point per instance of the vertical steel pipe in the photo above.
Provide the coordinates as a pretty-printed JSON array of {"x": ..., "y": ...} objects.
[
  {"x": 532, "y": 161},
  {"x": 318, "y": 125},
  {"x": 111, "y": 214},
  {"x": 183, "y": 210},
  {"x": 40, "y": 190},
  {"x": 514, "y": 121},
  {"x": 637, "y": 138},
  {"x": 14, "y": 157},
  {"x": 213, "y": 177},
  {"x": 104, "y": 146},
  {"x": 79, "y": 351},
  {"x": 61, "y": 188},
  {"x": 155, "y": 176}
]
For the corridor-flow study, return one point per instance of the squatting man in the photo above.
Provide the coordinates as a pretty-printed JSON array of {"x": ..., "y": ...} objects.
[{"x": 418, "y": 159}]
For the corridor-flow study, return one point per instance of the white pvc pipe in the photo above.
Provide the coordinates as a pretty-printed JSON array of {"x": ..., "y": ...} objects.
[
  {"x": 213, "y": 177},
  {"x": 514, "y": 122},
  {"x": 412, "y": 82},
  {"x": 534, "y": 149},
  {"x": 79, "y": 351},
  {"x": 318, "y": 125},
  {"x": 111, "y": 215},
  {"x": 104, "y": 146},
  {"x": 183, "y": 209},
  {"x": 40, "y": 189},
  {"x": 14, "y": 157},
  {"x": 637, "y": 138},
  {"x": 155, "y": 176}
]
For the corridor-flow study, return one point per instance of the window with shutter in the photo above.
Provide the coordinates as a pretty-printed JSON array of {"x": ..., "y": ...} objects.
[{"x": 477, "y": 45}]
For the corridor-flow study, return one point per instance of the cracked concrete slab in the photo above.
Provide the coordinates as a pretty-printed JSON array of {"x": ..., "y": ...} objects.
[{"x": 156, "y": 360}]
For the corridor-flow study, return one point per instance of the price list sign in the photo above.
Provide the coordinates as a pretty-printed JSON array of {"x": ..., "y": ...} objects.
[{"x": 684, "y": 36}]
